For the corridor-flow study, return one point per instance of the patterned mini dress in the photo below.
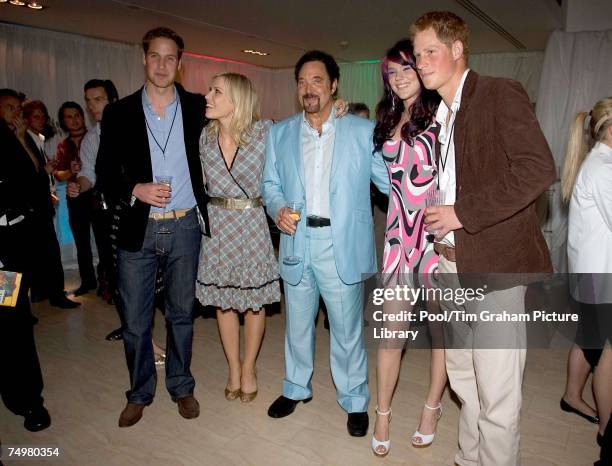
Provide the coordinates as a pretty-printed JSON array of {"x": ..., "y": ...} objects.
[
  {"x": 238, "y": 268},
  {"x": 409, "y": 258}
]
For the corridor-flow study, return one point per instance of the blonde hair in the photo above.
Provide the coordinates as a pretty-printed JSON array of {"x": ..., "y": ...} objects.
[
  {"x": 580, "y": 141},
  {"x": 448, "y": 28},
  {"x": 242, "y": 94}
]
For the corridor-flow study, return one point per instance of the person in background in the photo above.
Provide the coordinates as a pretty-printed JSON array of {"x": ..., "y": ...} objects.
[
  {"x": 25, "y": 205},
  {"x": 406, "y": 135},
  {"x": 37, "y": 117},
  {"x": 48, "y": 272},
  {"x": 587, "y": 184},
  {"x": 68, "y": 165},
  {"x": 359, "y": 109},
  {"x": 98, "y": 94}
]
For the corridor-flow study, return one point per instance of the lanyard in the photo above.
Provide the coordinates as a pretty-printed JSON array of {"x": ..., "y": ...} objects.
[
  {"x": 163, "y": 149},
  {"x": 442, "y": 160}
]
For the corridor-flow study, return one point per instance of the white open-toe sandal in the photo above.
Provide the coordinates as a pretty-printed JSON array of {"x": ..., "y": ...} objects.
[
  {"x": 424, "y": 440},
  {"x": 385, "y": 444}
]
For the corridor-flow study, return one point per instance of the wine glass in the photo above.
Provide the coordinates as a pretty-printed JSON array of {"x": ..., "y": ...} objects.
[
  {"x": 296, "y": 208},
  {"x": 167, "y": 181},
  {"x": 433, "y": 197}
]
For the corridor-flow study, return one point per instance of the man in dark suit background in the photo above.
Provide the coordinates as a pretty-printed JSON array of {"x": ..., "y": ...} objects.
[
  {"x": 493, "y": 163},
  {"x": 25, "y": 207},
  {"x": 155, "y": 132}
]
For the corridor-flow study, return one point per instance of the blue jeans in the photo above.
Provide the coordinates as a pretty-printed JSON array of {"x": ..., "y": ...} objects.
[{"x": 177, "y": 256}]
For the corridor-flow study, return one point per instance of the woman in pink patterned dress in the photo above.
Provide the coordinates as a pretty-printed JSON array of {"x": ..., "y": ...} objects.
[{"x": 406, "y": 134}]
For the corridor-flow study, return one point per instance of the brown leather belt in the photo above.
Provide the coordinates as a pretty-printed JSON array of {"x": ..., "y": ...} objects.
[
  {"x": 236, "y": 204},
  {"x": 445, "y": 251},
  {"x": 169, "y": 215}
]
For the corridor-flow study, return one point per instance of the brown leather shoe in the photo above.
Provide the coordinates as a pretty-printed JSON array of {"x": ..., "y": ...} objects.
[
  {"x": 188, "y": 407},
  {"x": 130, "y": 415}
]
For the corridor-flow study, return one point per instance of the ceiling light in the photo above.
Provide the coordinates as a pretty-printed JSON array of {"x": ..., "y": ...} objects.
[
  {"x": 255, "y": 52},
  {"x": 35, "y": 6},
  {"x": 17, "y": 2}
]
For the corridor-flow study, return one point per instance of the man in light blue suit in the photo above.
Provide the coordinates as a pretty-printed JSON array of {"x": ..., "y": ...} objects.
[{"x": 326, "y": 164}]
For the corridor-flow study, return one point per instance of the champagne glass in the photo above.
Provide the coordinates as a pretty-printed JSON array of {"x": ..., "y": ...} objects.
[
  {"x": 433, "y": 197},
  {"x": 296, "y": 208},
  {"x": 166, "y": 181}
]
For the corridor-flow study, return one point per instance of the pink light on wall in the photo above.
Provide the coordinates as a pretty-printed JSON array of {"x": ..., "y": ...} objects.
[{"x": 217, "y": 59}]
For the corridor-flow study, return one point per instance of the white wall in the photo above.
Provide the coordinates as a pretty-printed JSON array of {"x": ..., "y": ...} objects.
[{"x": 587, "y": 15}]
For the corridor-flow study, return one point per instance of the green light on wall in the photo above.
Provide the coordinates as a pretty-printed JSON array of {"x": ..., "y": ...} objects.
[{"x": 365, "y": 62}]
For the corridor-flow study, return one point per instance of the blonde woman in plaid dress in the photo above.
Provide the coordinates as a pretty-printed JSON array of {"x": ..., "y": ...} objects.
[{"x": 238, "y": 272}]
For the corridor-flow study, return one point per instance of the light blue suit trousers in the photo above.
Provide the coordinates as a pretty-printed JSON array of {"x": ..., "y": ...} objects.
[{"x": 348, "y": 359}]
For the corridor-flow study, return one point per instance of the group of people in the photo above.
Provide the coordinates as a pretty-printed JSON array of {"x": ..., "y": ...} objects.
[{"x": 191, "y": 178}]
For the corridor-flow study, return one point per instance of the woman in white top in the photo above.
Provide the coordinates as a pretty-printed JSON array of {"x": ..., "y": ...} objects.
[{"x": 587, "y": 183}]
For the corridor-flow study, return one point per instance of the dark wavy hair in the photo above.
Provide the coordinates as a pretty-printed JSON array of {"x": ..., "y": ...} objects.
[
  {"x": 66, "y": 106},
  {"x": 389, "y": 110},
  {"x": 332, "y": 68}
]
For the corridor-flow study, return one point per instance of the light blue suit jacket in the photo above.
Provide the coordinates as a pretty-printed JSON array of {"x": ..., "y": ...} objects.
[{"x": 353, "y": 165}]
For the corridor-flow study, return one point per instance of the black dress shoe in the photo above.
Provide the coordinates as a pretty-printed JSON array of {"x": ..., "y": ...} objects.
[
  {"x": 63, "y": 302},
  {"x": 37, "y": 419},
  {"x": 565, "y": 406},
  {"x": 84, "y": 289},
  {"x": 284, "y": 406},
  {"x": 357, "y": 424},
  {"x": 115, "y": 335}
]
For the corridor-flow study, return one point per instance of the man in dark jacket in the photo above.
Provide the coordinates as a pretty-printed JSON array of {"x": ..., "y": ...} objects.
[
  {"x": 150, "y": 134},
  {"x": 24, "y": 200}
]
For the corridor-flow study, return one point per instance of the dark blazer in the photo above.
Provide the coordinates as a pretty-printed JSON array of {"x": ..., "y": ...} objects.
[
  {"x": 503, "y": 164},
  {"x": 124, "y": 159},
  {"x": 23, "y": 190}
]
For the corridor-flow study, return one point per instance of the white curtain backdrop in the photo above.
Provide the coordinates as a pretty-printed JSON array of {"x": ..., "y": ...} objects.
[{"x": 576, "y": 73}]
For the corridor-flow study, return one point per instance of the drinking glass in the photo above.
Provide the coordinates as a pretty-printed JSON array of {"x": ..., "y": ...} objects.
[
  {"x": 433, "y": 197},
  {"x": 167, "y": 181},
  {"x": 296, "y": 208}
]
